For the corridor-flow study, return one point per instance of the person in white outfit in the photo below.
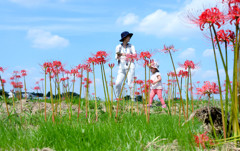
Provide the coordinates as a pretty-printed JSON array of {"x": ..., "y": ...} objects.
[{"x": 121, "y": 51}]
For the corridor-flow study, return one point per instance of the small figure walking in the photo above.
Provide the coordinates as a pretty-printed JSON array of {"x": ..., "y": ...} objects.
[{"x": 156, "y": 87}]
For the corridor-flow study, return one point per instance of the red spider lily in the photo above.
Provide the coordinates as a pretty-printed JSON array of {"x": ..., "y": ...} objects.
[
  {"x": 210, "y": 16},
  {"x": 87, "y": 80},
  {"x": 203, "y": 139},
  {"x": 208, "y": 89},
  {"x": 101, "y": 54},
  {"x": 17, "y": 76},
  {"x": 111, "y": 65},
  {"x": 188, "y": 64},
  {"x": 101, "y": 57},
  {"x": 79, "y": 75},
  {"x": 86, "y": 67},
  {"x": 234, "y": 14},
  {"x": 146, "y": 63},
  {"x": 13, "y": 83},
  {"x": 93, "y": 60},
  {"x": 57, "y": 63},
  {"x": 18, "y": 85},
  {"x": 15, "y": 72},
  {"x": 167, "y": 49},
  {"x": 137, "y": 93},
  {"x": 24, "y": 73},
  {"x": 11, "y": 78},
  {"x": 67, "y": 72},
  {"x": 79, "y": 66},
  {"x": 41, "y": 79},
  {"x": 172, "y": 74},
  {"x": 61, "y": 69},
  {"x": 198, "y": 82},
  {"x": 145, "y": 55},
  {"x": 36, "y": 88},
  {"x": 131, "y": 57},
  {"x": 150, "y": 81},
  {"x": 139, "y": 82},
  {"x": 225, "y": 36},
  {"x": 185, "y": 74},
  {"x": 3, "y": 81},
  {"x": 48, "y": 67},
  {"x": 1, "y": 69},
  {"x": 180, "y": 73},
  {"x": 235, "y": 2},
  {"x": 37, "y": 82},
  {"x": 74, "y": 71}
]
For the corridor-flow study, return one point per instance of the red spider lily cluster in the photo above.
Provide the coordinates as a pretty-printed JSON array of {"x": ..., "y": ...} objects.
[
  {"x": 132, "y": 57},
  {"x": 24, "y": 73},
  {"x": 188, "y": 64},
  {"x": 145, "y": 55},
  {"x": 208, "y": 89},
  {"x": 203, "y": 140},
  {"x": 182, "y": 74},
  {"x": 36, "y": 88},
  {"x": 99, "y": 58},
  {"x": 211, "y": 16},
  {"x": 87, "y": 81},
  {"x": 171, "y": 74},
  {"x": 225, "y": 36},
  {"x": 3, "y": 81},
  {"x": 1, "y": 69},
  {"x": 168, "y": 49}
]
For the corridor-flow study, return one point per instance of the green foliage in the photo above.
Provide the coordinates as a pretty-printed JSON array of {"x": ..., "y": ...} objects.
[{"x": 129, "y": 133}]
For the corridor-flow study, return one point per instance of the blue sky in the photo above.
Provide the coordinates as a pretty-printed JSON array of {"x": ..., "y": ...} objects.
[{"x": 33, "y": 32}]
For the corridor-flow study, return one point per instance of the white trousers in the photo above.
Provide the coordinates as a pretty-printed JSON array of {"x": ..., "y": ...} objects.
[{"x": 130, "y": 79}]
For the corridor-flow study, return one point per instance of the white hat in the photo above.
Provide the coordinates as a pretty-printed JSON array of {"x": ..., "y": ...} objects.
[{"x": 154, "y": 64}]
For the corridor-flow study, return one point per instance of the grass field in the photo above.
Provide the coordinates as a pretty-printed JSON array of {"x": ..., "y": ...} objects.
[{"x": 130, "y": 131}]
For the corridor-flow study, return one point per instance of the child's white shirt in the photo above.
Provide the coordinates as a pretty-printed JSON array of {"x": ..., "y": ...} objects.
[{"x": 154, "y": 78}]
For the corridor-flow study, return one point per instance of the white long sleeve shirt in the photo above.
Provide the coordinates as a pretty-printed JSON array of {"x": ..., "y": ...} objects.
[{"x": 130, "y": 49}]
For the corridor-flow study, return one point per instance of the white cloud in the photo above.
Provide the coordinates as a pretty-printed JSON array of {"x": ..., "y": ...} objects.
[
  {"x": 46, "y": 40},
  {"x": 128, "y": 19},
  {"x": 167, "y": 24},
  {"x": 209, "y": 53},
  {"x": 187, "y": 54},
  {"x": 162, "y": 23},
  {"x": 212, "y": 74}
]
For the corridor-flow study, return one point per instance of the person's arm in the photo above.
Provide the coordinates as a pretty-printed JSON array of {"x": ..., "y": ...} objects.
[
  {"x": 159, "y": 78},
  {"x": 118, "y": 53}
]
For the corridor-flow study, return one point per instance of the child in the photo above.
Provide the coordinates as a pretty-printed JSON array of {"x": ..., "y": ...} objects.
[{"x": 156, "y": 87}]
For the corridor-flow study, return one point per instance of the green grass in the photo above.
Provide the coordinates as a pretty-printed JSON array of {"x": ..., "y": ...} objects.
[{"x": 128, "y": 133}]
